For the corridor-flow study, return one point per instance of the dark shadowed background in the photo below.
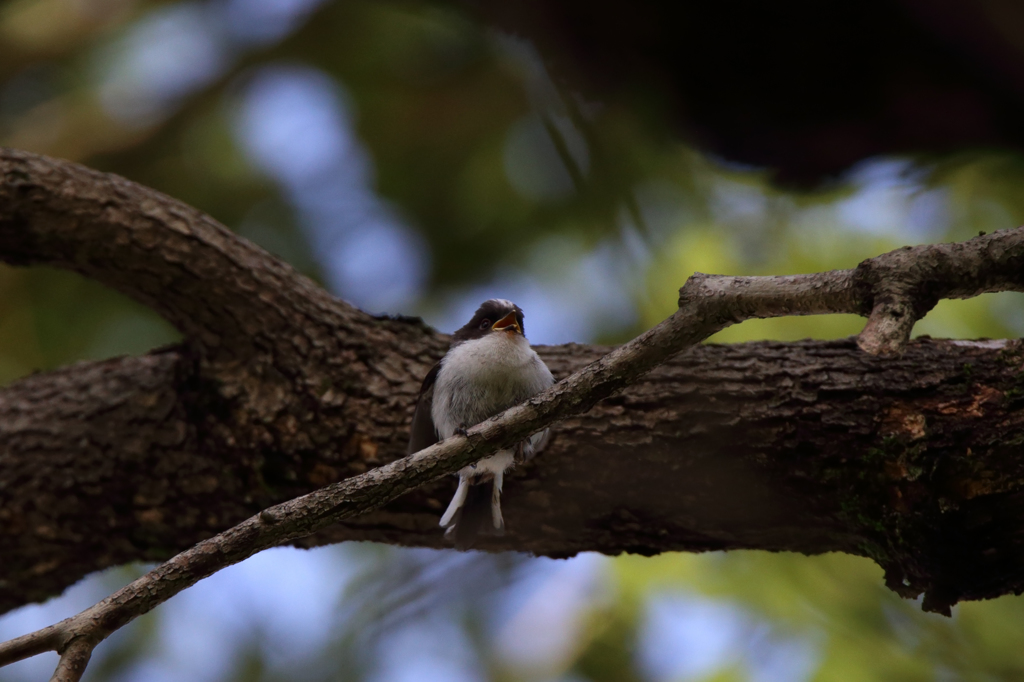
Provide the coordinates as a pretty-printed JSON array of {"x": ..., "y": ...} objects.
[{"x": 581, "y": 159}]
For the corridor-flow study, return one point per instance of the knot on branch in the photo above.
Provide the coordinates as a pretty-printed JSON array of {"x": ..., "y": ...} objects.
[
  {"x": 694, "y": 289},
  {"x": 895, "y": 288},
  {"x": 718, "y": 301}
]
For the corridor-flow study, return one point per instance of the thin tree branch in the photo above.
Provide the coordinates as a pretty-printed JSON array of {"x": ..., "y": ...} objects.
[
  {"x": 893, "y": 290},
  {"x": 73, "y": 660},
  {"x": 707, "y": 304}
]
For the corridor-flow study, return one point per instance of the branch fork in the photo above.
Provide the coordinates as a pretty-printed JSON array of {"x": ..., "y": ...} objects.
[{"x": 893, "y": 290}]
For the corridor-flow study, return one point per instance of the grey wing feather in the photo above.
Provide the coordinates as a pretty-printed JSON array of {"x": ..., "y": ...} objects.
[{"x": 423, "y": 433}]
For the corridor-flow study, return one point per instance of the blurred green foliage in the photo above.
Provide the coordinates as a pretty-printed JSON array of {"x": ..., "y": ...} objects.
[{"x": 490, "y": 162}]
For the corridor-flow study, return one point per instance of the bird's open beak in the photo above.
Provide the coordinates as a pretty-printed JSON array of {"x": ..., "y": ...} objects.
[{"x": 507, "y": 323}]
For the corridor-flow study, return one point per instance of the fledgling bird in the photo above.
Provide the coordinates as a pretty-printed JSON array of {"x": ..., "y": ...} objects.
[{"x": 489, "y": 368}]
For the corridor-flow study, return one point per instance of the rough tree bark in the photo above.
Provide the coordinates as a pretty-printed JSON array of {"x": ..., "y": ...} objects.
[{"x": 912, "y": 460}]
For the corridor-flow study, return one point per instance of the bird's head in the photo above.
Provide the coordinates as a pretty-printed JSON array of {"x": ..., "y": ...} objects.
[{"x": 496, "y": 316}]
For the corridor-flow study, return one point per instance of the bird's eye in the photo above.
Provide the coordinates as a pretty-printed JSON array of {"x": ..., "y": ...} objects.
[{"x": 485, "y": 323}]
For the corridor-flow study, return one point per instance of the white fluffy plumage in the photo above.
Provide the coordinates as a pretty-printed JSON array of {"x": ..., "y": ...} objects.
[{"x": 479, "y": 378}]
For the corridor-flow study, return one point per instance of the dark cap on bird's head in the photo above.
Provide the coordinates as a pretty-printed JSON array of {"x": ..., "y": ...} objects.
[{"x": 495, "y": 315}]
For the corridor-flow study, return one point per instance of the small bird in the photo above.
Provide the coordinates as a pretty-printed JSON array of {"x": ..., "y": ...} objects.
[{"x": 489, "y": 368}]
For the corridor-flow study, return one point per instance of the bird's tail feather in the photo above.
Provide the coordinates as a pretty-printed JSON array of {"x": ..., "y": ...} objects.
[{"x": 479, "y": 512}]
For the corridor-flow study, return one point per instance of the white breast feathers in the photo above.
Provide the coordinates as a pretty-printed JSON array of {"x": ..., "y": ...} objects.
[{"x": 482, "y": 377}]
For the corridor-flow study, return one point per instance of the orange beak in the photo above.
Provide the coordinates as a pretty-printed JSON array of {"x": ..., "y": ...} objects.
[{"x": 507, "y": 323}]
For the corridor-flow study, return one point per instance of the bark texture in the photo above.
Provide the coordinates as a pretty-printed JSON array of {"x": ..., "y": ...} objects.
[{"x": 279, "y": 389}]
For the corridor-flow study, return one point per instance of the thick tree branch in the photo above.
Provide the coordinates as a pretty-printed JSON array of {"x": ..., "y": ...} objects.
[
  {"x": 268, "y": 344},
  {"x": 224, "y": 294},
  {"x": 760, "y": 413},
  {"x": 307, "y": 387}
]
